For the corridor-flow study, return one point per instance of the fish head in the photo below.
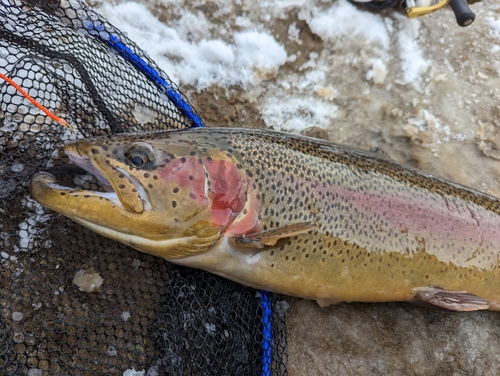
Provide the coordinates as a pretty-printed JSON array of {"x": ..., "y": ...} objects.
[{"x": 165, "y": 195}]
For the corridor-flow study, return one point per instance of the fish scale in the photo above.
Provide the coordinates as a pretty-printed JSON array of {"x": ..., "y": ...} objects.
[{"x": 296, "y": 216}]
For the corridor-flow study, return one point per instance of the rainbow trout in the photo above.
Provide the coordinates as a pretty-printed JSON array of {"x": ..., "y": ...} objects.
[{"x": 289, "y": 214}]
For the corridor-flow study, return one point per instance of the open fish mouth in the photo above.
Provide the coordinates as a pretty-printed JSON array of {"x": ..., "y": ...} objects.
[
  {"x": 86, "y": 164},
  {"x": 47, "y": 181},
  {"x": 44, "y": 182}
]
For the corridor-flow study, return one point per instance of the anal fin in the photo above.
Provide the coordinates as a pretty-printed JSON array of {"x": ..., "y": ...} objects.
[
  {"x": 270, "y": 237},
  {"x": 452, "y": 300}
]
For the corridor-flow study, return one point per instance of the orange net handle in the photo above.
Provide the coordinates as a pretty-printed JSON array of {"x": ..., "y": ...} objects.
[{"x": 35, "y": 103}]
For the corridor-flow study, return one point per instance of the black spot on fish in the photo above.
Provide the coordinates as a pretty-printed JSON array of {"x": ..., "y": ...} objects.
[
  {"x": 121, "y": 176},
  {"x": 190, "y": 177},
  {"x": 176, "y": 190},
  {"x": 150, "y": 185},
  {"x": 155, "y": 177},
  {"x": 121, "y": 186},
  {"x": 174, "y": 204},
  {"x": 183, "y": 159},
  {"x": 95, "y": 151},
  {"x": 192, "y": 153},
  {"x": 147, "y": 175},
  {"x": 62, "y": 193}
]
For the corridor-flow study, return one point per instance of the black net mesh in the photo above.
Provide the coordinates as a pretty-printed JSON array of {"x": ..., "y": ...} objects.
[{"x": 73, "y": 302}]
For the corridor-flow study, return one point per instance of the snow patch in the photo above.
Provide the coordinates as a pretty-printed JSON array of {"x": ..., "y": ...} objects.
[
  {"x": 345, "y": 20},
  {"x": 125, "y": 315},
  {"x": 495, "y": 26},
  {"x": 378, "y": 73},
  {"x": 413, "y": 63},
  {"x": 297, "y": 113},
  {"x": 133, "y": 372},
  {"x": 189, "y": 58},
  {"x": 29, "y": 229}
]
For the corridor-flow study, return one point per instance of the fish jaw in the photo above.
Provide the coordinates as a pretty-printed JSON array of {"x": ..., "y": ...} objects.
[{"x": 78, "y": 204}]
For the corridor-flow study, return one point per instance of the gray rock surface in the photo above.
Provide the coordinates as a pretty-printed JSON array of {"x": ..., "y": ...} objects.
[{"x": 390, "y": 339}]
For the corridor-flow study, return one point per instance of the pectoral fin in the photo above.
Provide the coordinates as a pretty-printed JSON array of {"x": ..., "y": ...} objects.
[
  {"x": 452, "y": 300},
  {"x": 270, "y": 237}
]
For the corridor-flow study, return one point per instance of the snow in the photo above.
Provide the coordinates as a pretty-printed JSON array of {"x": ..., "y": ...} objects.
[
  {"x": 153, "y": 371},
  {"x": 29, "y": 232},
  {"x": 495, "y": 26},
  {"x": 133, "y": 372},
  {"x": 414, "y": 64},
  {"x": 297, "y": 113},
  {"x": 378, "y": 71},
  {"x": 189, "y": 58},
  {"x": 344, "y": 19},
  {"x": 125, "y": 315}
]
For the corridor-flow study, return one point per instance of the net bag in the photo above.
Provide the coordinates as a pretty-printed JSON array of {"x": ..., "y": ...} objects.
[{"x": 71, "y": 301}]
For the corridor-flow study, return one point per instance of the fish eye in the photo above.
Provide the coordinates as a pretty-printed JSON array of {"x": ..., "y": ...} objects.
[
  {"x": 138, "y": 155},
  {"x": 139, "y": 160}
]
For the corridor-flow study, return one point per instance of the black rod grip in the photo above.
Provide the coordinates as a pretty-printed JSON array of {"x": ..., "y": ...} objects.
[{"x": 463, "y": 14}]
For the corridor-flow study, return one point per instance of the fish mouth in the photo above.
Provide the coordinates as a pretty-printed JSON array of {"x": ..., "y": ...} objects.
[
  {"x": 45, "y": 184},
  {"x": 132, "y": 198},
  {"x": 85, "y": 163},
  {"x": 45, "y": 181}
]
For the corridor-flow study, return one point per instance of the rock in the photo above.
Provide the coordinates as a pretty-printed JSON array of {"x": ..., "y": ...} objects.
[
  {"x": 88, "y": 280},
  {"x": 390, "y": 339}
]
